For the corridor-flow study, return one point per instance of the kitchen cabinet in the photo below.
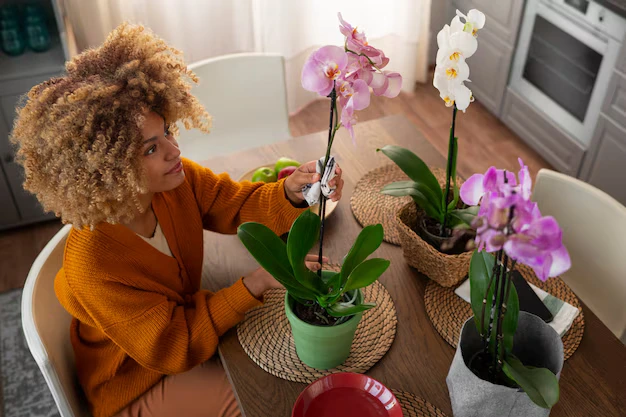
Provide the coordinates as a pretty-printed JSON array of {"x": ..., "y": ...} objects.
[
  {"x": 18, "y": 74},
  {"x": 536, "y": 129},
  {"x": 605, "y": 164}
]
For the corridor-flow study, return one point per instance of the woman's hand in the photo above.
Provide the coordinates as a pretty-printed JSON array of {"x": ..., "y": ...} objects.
[
  {"x": 260, "y": 280},
  {"x": 306, "y": 174}
]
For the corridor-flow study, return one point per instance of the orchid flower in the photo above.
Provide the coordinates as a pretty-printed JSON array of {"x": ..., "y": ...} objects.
[
  {"x": 323, "y": 67},
  {"x": 509, "y": 220},
  {"x": 354, "y": 72},
  {"x": 357, "y": 94},
  {"x": 451, "y": 88},
  {"x": 474, "y": 21},
  {"x": 454, "y": 45},
  {"x": 355, "y": 40},
  {"x": 457, "y": 42}
]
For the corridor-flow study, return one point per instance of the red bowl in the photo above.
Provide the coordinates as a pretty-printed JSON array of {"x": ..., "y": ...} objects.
[{"x": 346, "y": 395}]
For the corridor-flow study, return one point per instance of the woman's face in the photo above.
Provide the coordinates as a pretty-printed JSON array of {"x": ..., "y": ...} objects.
[{"x": 160, "y": 155}]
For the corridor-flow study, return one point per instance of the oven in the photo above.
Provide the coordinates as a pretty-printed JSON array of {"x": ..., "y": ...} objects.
[{"x": 566, "y": 52}]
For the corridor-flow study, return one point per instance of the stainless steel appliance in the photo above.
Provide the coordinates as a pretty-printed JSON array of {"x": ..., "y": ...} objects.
[{"x": 566, "y": 52}]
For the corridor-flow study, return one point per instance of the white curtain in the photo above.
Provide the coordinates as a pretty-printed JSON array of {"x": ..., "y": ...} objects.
[{"x": 292, "y": 28}]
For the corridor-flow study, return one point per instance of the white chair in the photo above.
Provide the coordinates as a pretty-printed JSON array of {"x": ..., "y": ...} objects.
[
  {"x": 246, "y": 95},
  {"x": 594, "y": 232},
  {"x": 46, "y": 326}
]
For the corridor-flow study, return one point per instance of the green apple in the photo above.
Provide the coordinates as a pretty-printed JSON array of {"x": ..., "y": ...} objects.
[
  {"x": 264, "y": 174},
  {"x": 284, "y": 163}
]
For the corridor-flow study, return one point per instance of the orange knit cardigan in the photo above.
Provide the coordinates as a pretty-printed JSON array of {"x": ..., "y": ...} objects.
[{"x": 139, "y": 314}]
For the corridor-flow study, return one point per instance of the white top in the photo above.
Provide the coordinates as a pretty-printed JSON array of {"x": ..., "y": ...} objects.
[{"x": 158, "y": 241}]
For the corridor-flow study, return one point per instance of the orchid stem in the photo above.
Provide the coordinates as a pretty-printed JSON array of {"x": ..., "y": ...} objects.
[
  {"x": 448, "y": 172},
  {"x": 484, "y": 307},
  {"x": 496, "y": 275},
  {"x": 500, "y": 311},
  {"x": 331, "y": 137}
]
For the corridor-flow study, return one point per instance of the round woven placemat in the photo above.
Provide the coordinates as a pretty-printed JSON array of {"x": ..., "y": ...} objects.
[
  {"x": 265, "y": 336},
  {"x": 447, "y": 311},
  {"x": 414, "y": 406},
  {"x": 369, "y": 206}
]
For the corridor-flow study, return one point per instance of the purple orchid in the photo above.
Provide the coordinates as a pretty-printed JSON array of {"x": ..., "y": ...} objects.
[{"x": 509, "y": 220}]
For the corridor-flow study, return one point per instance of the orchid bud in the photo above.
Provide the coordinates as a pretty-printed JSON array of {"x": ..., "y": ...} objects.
[
  {"x": 499, "y": 218},
  {"x": 497, "y": 241}
]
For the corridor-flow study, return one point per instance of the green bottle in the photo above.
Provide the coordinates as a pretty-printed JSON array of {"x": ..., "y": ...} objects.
[
  {"x": 37, "y": 33},
  {"x": 11, "y": 38}
]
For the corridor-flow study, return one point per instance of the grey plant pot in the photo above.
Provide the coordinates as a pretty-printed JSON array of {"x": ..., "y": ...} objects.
[{"x": 535, "y": 343}]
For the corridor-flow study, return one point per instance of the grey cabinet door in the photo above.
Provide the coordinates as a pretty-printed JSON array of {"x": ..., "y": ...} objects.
[
  {"x": 489, "y": 72},
  {"x": 536, "y": 129},
  {"x": 621, "y": 61},
  {"x": 27, "y": 205},
  {"x": 8, "y": 212},
  {"x": 503, "y": 16},
  {"x": 615, "y": 102},
  {"x": 605, "y": 165}
]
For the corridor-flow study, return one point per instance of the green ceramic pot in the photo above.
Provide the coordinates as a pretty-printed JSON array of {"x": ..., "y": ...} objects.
[{"x": 322, "y": 347}]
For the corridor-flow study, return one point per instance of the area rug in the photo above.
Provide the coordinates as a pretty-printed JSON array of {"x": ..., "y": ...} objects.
[{"x": 23, "y": 391}]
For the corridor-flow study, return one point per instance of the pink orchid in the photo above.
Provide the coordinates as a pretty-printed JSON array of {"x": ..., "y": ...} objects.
[
  {"x": 322, "y": 68},
  {"x": 540, "y": 246},
  {"x": 377, "y": 56},
  {"x": 525, "y": 182},
  {"x": 358, "y": 68},
  {"x": 478, "y": 185},
  {"x": 509, "y": 220},
  {"x": 355, "y": 71},
  {"x": 355, "y": 95},
  {"x": 348, "y": 120},
  {"x": 392, "y": 83},
  {"x": 355, "y": 40}
]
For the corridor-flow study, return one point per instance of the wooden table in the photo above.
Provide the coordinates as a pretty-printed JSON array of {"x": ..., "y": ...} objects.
[{"x": 593, "y": 381}]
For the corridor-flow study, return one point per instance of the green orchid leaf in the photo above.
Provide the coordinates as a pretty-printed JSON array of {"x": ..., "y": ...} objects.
[
  {"x": 509, "y": 325},
  {"x": 365, "y": 244},
  {"x": 343, "y": 309},
  {"x": 413, "y": 167},
  {"x": 415, "y": 185},
  {"x": 416, "y": 191},
  {"x": 540, "y": 384},
  {"x": 366, "y": 273},
  {"x": 302, "y": 236},
  {"x": 271, "y": 253},
  {"x": 480, "y": 273},
  {"x": 462, "y": 217}
]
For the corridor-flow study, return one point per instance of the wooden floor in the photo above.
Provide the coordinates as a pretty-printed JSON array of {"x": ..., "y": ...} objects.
[{"x": 483, "y": 142}]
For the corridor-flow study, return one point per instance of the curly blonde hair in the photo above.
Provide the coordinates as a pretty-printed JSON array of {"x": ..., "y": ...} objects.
[{"x": 79, "y": 135}]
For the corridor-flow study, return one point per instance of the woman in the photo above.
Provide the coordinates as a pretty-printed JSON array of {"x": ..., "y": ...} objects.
[{"x": 98, "y": 149}]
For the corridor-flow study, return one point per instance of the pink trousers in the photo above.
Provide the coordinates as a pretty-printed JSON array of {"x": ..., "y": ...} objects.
[{"x": 204, "y": 391}]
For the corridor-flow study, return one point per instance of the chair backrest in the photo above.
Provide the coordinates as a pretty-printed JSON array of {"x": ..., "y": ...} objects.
[
  {"x": 46, "y": 327},
  {"x": 594, "y": 232},
  {"x": 247, "y": 97}
]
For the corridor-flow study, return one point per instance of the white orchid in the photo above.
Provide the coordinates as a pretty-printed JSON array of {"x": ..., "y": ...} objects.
[
  {"x": 474, "y": 21},
  {"x": 453, "y": 44},
  {"x": 457, "y": 42},
  {"x": 452, "y": 91}
]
